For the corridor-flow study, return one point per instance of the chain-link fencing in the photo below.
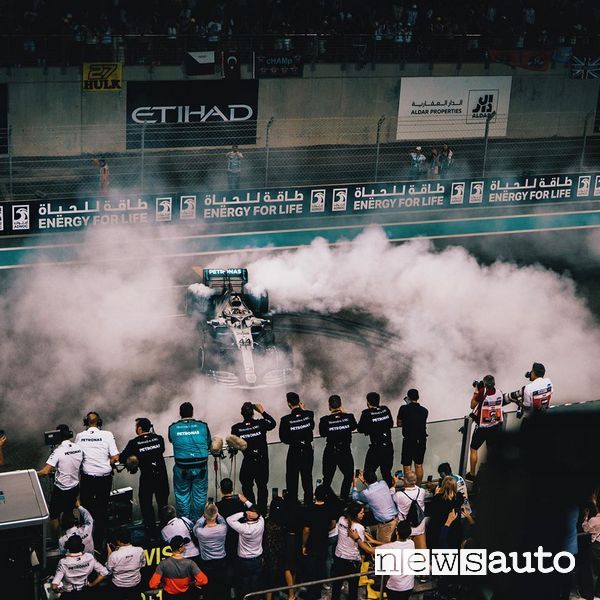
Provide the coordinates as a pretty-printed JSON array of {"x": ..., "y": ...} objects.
[{"x": 287, "y": 152}]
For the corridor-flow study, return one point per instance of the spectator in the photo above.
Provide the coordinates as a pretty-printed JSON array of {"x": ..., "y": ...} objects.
[
  {"x": 172, "y": 525},
  {"x": 103, "y": 175},
  {"x": 336, "y": 508},
  {"x": 81, "y": 524},
  {"x": 65, "y": 462},
  {"x": 250, "y": 526},
  {"x": 255, "y": 466},
  {"x": 417, "y": 163},
  {"x": 486, "y": 407},
  {"x": 3, "y": 440},
  {"x": 352, "y": 538},
  {"x": 177, "y": 575},
  {"x": 445, "y": 500},
  {"x": 376, "y": 421},
  {"x": 320, "y": 520},
  {"x": 446, "y": 160},
  {"x": 400, "y": 587},
  {"x": 412, "y": 417},
  {"x": 234, "y": 167},
  {"x": 211, "y": 532},
  {"x": 591, "y": 525},
  {"x": 378, "y": 497},
  {"x": 99, "y": 454},
  {"x": 277, "y": 571},
  {"x": 296, "y": 430},
  {"x": 124, "y": 564},
  {"x": 337, "y": 427},
  {"x": 191, "y": 442},
  {"x": 445, "y": 470},
  {"x": 404, "y": 500},
  {"x": 230, "y": 504},
  {"x": 434, "y": 164},
  {"x": 148, "y": 449},
  {"x": 72, "y": 574}
]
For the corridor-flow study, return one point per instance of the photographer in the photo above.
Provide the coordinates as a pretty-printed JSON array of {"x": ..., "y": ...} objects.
[
  {"x": 255, "y": 466},
  {"x": 535, "y": 396},
  {"x": 296, "y": 430},
  {"x": 65, "y": 463},
  {"x": 146, "y": 451},
  {"x": 376, "y": 421},
  {"x": 486, "y": 407}
]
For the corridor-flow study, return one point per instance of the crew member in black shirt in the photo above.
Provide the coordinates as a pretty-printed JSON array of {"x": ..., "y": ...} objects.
[
  {"x": 255, "y": 466},
  {"x": 148, "y": 448},
  {"x": 376, "y": 421},
  {"x": 296, "y": 430},
  {"x": 412, "y": 417},
  {"x": 337, "y": 427}
]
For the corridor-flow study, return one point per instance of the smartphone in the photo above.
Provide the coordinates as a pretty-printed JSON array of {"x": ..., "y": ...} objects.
[
  {"x": 357, "y": 473},
  {"x": 211, "y": 500},
  {"x": 429, "y": 477},
  {"x": 398, "y": 474},
  {"x": 275, "y": 493}
]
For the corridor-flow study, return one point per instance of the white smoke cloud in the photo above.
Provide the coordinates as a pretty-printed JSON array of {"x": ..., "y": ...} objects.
[{"x": 101, "y": 336}]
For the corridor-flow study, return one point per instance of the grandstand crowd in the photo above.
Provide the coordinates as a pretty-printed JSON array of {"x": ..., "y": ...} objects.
[{"x": 96, "y": 26}]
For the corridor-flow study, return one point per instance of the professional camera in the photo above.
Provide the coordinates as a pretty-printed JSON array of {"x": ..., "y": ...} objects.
[
  {"x": 478, "y": 384},
  {"x": 53, "y": 438},
  {"x": 516, "y": 396}
]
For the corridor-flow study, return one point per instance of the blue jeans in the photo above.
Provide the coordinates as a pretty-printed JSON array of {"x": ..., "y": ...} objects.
[{"x": 191, "y": 489}]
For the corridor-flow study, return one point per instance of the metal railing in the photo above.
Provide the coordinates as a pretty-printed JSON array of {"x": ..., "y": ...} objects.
[
  {"x": 308, "y": 584},
  {"x": 56, "y": 162}
]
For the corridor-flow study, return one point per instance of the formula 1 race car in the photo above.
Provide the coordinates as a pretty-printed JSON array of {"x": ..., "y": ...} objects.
[{"x": 238, "y": 346}]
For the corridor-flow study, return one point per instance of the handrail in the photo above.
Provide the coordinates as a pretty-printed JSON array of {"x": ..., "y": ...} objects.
[{"x": 311, "y": 583}]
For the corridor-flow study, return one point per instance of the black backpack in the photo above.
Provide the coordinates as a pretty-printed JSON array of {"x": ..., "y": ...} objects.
[{"x": 415, "y": 514}]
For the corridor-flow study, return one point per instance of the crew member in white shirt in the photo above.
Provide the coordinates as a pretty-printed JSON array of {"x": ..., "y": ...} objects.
[
  {"x": 250, "y": 527},
  {"x": 73, "y": 571},
  {"x": 81, "y": 525},
  {"x": 99, "y": 454},
  {"x": 172, "y": 525},
  {"x": 65, "y": 463},
  {"x": 124, "y": 564},
  {"x": 403, "y": 499}
]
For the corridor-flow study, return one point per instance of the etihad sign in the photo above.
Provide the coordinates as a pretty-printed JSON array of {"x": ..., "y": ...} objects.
[{"x": 185, "y": 114}]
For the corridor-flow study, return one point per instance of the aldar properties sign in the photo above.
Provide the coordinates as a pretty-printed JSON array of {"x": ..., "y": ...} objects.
[
  {"x": 176, "y": 114},
  {"x": 438, "y": 108}
]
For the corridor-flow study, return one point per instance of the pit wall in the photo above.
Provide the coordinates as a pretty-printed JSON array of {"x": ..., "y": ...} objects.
[{"x": 50, "y": 114}]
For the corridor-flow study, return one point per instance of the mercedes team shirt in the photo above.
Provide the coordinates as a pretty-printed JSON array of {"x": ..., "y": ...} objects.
[
  {"x": 73, "y": 571},
  {"x": 66, "y": 459},
  {"x": 98, "y": 446},
  {"x": 124, "y": 565}
]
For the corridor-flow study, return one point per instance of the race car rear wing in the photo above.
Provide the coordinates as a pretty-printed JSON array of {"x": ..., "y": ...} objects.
[{"x": 233, "y": 279}]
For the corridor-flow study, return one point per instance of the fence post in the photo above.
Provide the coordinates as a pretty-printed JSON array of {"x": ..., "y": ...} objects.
[
  {"x": 486, "y": 137},
  {"x": 269, "y": 124},
  {"x": 142, "y": 158},
  {"x": 379, "y": 124},
  {"x": 584, "y": 144},
  {"x": 10, "y": 166}
]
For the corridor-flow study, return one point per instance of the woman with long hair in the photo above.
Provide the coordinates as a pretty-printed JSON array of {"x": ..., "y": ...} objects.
[
  {"x": 352, "y": 539},
  {"x": 447, "y": 498}
]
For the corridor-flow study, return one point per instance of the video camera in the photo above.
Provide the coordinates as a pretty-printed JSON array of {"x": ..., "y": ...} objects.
[{"x": 53, "y": 437}]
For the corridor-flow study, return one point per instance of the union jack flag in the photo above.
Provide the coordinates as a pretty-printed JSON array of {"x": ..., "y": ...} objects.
[{"x": 585, "y": 68}]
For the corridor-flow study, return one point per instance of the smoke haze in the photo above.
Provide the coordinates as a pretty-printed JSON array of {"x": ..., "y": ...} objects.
[{"x": 104, "y": 337}]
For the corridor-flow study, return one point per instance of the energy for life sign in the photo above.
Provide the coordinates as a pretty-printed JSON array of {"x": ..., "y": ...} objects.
[{"x": 433, "y": 108}]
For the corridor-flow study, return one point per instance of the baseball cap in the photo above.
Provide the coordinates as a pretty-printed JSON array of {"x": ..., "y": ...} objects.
[
  {"x": 178, "y": 541},
  {"x": 413, "y": 394},
  {"x": 74, "y": 544}
]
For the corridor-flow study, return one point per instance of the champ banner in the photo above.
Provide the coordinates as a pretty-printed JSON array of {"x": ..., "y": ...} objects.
[{"x": 435, "y": 108}]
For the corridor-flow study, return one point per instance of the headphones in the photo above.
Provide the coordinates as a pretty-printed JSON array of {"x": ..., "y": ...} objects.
[{"x": 86, "y": 420}]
